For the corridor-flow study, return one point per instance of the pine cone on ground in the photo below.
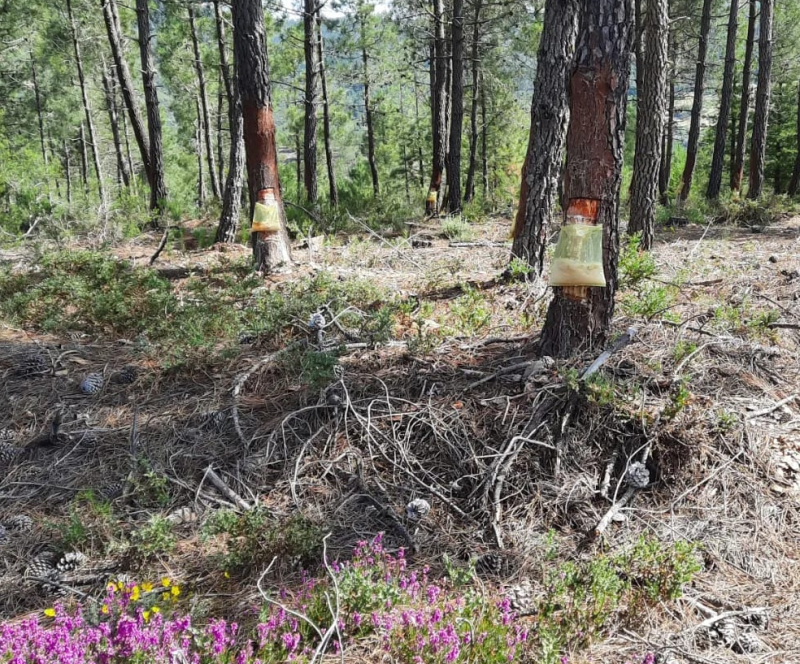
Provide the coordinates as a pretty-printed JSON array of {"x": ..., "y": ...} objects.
[
  {"x": 112, "y": 491},
  {"x": 8, "y": 453},
  {"x": 521, "y": 596},
  {"x": 42, "y": 567},
  {"x": 34, "y": 364},
  {"x": 126, "y": 375},
  {"x": 727, "y": 631},
  {"x": 492, "y": 564},
  {"x": 759, "y": 619},
  {"x": 19, "y": 523},
  {"x": 3, "y": 535},
  {"x": 71, "y": 561},
  {"x": 92, "y": 383},
  {"x": 749, "y": 643},
  {"x": 417, "y": 509},
  {"x": 7, "y": 435},
  {"x": 637, "y": 475}
]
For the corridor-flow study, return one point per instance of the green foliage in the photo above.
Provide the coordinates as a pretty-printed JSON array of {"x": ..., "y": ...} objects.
[
  {"x": 680, "y": 396},
  {"x": 471, "y": 311},
  {"x": 89, "y": 524},
  {"x": 456, "y": 228},
  {"x": 649, "y": 302},
  {"x": 635, "y": 265},
  {"x": 682, "y": 349},
  {"x": 154, "y": 538},
  {"x": 254, "y": 538}
]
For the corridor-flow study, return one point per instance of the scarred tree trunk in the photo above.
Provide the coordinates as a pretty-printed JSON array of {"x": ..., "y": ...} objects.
[
  {"x": 232, "y": 197},
  {"x": 697, "y": 104},
  {"x": 549, "y": 120},
  {"x": 758, "y": 145},
  {"x": 87, "y": 111},
  {"x": 665, "y": 170},
  {"x": 206, "y": 116},
  {"x": 457, "y": 117},
  {"x": 252, "y": 66},
  {"x": 114, "y": 32},
  {"x": 726, "y": 97},
  {"x": 794, "y": 184},
  {"x": 311, "y": 50},
  {"x": 737, "y": 167},
  {"x": 579, "y": 317},
  {"x": 650, "y": 124},
  {"x": 333, "y": 190},
  {"x": 113, "y": 119},
  {"x": 469, "y": 190},
  {"x": 158, "y": 185},
  {"x": 439, "y": 108},
  {"x": 368, "y": 113}
]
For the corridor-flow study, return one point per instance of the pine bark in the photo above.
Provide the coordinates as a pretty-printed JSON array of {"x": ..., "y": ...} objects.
[
  {"x": 484, "y": 142},
  {"x": 333, "y": 189},
  {"x": 87, "y": 111},
  {"x": 469, "y": 189},
  {"x": 232, "y": 197},
  {"x": 549, "y": 120},
  {"x": 198, "y": 139},
  {"x": 457, "y": 100},
  {"x": 68, "y": 172},
  {"x": 794, "y": 183},
  {"x": 368, "y": 113},
  {"x": 665, "y": 170},
  {"x": 123, "y": 174},
  {"x": 758, "y": 144},
  {"x": 438, "y": 106},
  {"x": 650, "y": 124},
  {"x": 252, "y": 67},
  {"x": 39, "y": 113},
  {"x": 311, "y": 101},
  {"x": 84, "y": 158},
  {"x": 726, "y": 98},
  {"x": 737, "y": 167},
  {"x": 123, "y": 74},
  {"x": 158, "y": 185},
  {"x": 697, "y": 104},
  {"x": 580, "y": 318},
  {"x": 206, "y": 116}
]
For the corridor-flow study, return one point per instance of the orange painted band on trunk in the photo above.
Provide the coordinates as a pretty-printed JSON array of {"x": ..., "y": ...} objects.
[
  {"x": 263, "y": 193},
  {"x": 588, "y": 208}
]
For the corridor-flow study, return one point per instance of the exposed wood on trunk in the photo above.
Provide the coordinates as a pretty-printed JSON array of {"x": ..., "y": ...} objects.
[
  {"x": 368, "y": 111},
  {"x": 114, "y": 32},
  {"x": 87, "y": 110},
  {"x": 794, "y": 184},
  {"x": 206, "y": 116},
  {"x": 158, "y": 184},
  {"x": 457, "y": 108},
  {"x": 438, "y": 107},
  {"x": 650, "y": 124},
  {"x": 333, "y": 190},
  {"x": 310, "y": 101},
  {"x": 580, "y": 318},
  {"x": 549, "y": 120},
  {"x": 252, "y": 66},
  {"x": 123, "y": 174},
  {"x": 758, "y": 144},
  {"x": 665, "y": 170},
  {"x": 737, "y": 167},
  {"x": 697, "y": 104},
  {"x": 469, "y": 189},
  {"x": 726, "y": 98}
]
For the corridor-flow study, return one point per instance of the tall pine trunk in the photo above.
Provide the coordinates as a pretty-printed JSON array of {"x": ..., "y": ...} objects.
[
  {"x": 68, "y": 172},
  {"x": 697, "y": 104},
  {"x": 39, "y": 115},
  {"x": 84, "y": 159},
  {"x": 87, "y": 111},
  {"x": 484, "y": 142},
  {"x": 333, "y": 190},
  {"x": 665, "y": 169},
  {"x": 541, "y": 170},
  {"x": 198, "y": 140},
  {"x": 726, "y": 98},
  {"x": 311, "y": 50},
  {"x": 123, "y": 173},
  {"x": 650, "y": 124},
  {"x": 123, "y": 74},
  {"x": 232, "y": 196},
  {"x": 368, "y": 112},
  {"x": 794, "y": 183},
  {"x": 758, "y": 145},
  {"x": 457, "y": 100},
  {"x": 252, "y": 67},
  {"x": 158, "y": 185},
  {"x": 579, "y": 317},
  {"x": 220, "y": 133},
  {"x": 206, "y": 116},
  {"x": 737, "y": 167},
  {"x": 469, "y": 189},
  {"x": 438, "y": 106}
]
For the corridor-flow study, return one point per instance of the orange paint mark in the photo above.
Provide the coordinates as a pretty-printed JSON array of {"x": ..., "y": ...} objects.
[{"x": 588, "y": 208}]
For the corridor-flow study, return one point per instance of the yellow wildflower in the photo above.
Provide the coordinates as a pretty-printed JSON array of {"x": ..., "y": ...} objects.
[
  {"x": 155, "y": 609},
  {"x": 227, "y": 574},
  {"x": 175, "y": 591},
  {"x": 146, "y": 616},
  {"x": 164, "y": 597},
  {"x": 166, "y": 582},
  {"x": 147, "y": 587},
  {"x": 50, "y": 613},
  {"x": 104, "y": 608},
  {"x": 135, "y": 593}
]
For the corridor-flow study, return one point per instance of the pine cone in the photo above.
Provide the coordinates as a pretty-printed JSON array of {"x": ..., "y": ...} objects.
[
  {"x": 727, "y": 630},
  {"x": 637, "y": 475},
  {"x": 7, "y": 435},
  {"x": 246, "y": 338},
  {"x": 492, "y": 564},
  {"x": 521, "y": 596},
  {"x": 112, "y": 491},
  {"x": 316, "y": 322},
  {"x": 92, "y": 383},
  {"x": 71, "y": 561},
  {"x": 19, "y": 523},
  {"x": 417, "y": 509},
  {"x": 8, "y": 453},
  {"x": 215, "y": 419},
  {"x": 759, "y": 619},
  {"x": 749, "y": 643},
  {"x": 34, "y": 364},
  {"x": 3, "y": 536},
  {"x": 126, "y": 375},
  {"x": 42, "y": 567}
]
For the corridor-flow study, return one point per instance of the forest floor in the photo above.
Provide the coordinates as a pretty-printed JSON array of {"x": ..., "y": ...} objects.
[{"x": 434, "y": 391}]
